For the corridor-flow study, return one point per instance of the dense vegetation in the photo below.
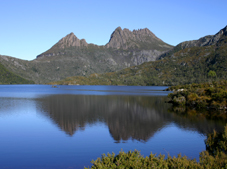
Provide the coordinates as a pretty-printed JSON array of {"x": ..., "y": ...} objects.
[
  {"x": 214, "y": 157},
  {"x": 212, "y": 96},
  {"x": 216, "y": 143},
  {"x": 7, "y": 77}
]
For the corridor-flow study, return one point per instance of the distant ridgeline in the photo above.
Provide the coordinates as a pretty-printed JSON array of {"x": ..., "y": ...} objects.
[
  {"x": 189, "y": 62},
  {"x": 7, "y": 77},
  {"x": 135, "y": 57}
]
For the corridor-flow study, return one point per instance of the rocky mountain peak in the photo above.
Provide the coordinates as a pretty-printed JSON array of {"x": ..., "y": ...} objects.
[
  {"x": 118, "y": 29},
  {"x": 69, "y": 41},
  {"x": 145, "y": 32},
  {"x": 139, "y": 40},
  {"x": 128, "y": 39}
]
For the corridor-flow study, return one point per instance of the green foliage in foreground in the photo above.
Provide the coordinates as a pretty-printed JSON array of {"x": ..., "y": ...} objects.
[
  {"x": 133, "y": 160},
  {"x": 136, "y": 160},
  {"x": 214, "y": 157},
  {"x": 7, "y": 77},
  {"x": 216, "y": 143},
  {"x": 205, "y": 95}
]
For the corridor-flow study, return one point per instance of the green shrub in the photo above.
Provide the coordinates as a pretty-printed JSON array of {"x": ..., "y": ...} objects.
[
  {"x": 214, "y": 157},
  {"x": 134, "y": 160},
  {"x": 217, "y": 143},
  {"x": 192, "y": 97},
  {"x": 202, "y": 102},
  {"x": 179, "y": 100},
  {"x": 201, "y": 96}
]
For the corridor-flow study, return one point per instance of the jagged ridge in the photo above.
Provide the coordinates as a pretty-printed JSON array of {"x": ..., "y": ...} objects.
[
  {"x": 180, "y": 66},
  {"x": 68, "y": 41},
  {"x": 71, "y": 56},
  {"x": 126, "y": 39},
  {"x": 142, "y": 39}
]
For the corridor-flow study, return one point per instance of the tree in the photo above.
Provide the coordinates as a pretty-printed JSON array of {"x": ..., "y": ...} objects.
[{"x": 212, "y": 74}]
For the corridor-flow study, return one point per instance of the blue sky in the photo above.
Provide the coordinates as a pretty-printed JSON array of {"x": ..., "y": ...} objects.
[{"x": 30, "y": 27}]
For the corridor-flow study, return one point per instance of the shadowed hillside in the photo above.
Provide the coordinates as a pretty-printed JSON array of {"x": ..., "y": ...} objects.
[{"x": 7, "y": 77}]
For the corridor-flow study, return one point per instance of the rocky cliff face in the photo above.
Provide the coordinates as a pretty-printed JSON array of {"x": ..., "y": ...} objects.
[
  {"x": 69, "y": 41},
  {"x": 126, "y": 39},
  {"x": 137, "y": 40}
]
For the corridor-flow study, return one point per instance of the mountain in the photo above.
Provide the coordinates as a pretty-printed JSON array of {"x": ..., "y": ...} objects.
[
  {"x": 137, "y": 39},
  {"x": 71, "y": 56},
  {"x": 68, "y": 41},
  {"x": 188, "y": 62},
  {"x": 7, "y": 77},
  {"x": 204, "y": 41},
  {"x": 142, "y": 39}
]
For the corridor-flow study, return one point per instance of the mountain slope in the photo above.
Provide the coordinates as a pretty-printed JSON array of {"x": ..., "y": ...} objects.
[
  {"x": 7, "y": 77},
  {"x": 179, "y": 66},
  {"x": 74, "y": 57},
  {"x": 204, "y": 41}
]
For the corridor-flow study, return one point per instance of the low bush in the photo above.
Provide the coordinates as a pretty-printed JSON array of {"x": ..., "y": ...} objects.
[
  {"x": 199, "y": 96},
  {"x": 134, "y": 160},
  {"x": 214, "y": 157}
]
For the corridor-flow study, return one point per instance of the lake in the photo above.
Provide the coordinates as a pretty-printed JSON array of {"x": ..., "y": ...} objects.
[{"x": 66, "y": 127}]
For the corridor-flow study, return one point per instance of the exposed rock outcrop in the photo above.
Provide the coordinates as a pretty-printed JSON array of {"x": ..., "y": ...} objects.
[
  {"x": 69, "y": 41},
  {"x": 126, "y": 39},
  {"x": 145, "y": 56}
]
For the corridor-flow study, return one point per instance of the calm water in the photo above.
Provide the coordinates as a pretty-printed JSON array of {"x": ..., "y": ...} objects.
[{"x": 67, "y": 127}]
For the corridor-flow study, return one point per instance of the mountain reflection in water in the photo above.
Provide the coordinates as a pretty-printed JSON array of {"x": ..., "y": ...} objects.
[{"x": 127, "y": 117}]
